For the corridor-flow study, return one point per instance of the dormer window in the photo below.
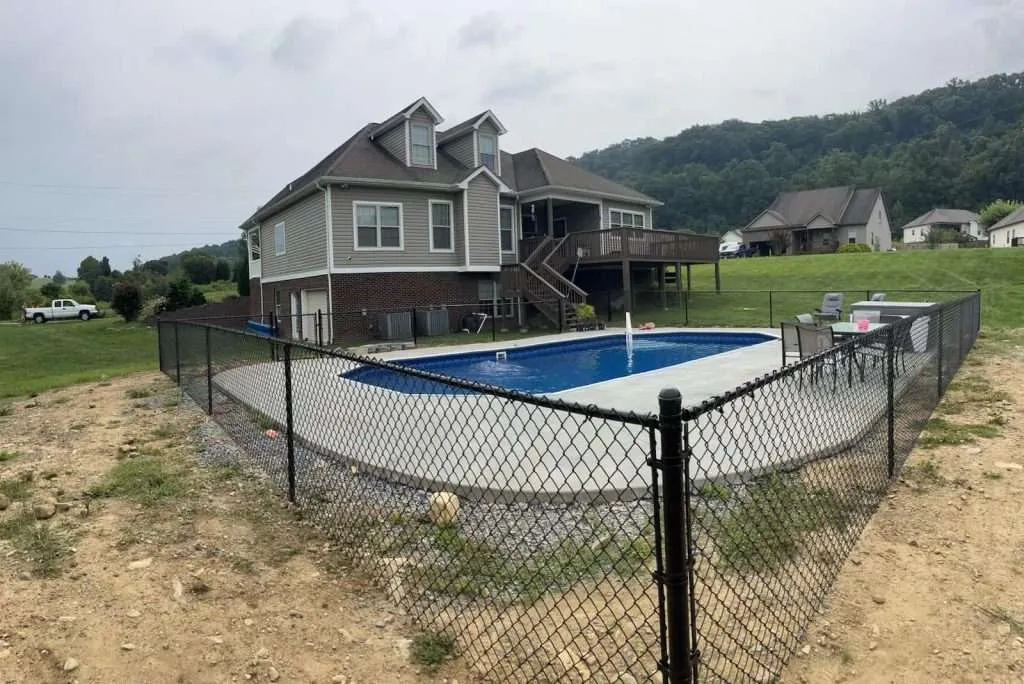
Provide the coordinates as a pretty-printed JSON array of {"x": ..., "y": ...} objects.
[
  {"x": 488, "y": 149},
  {"x": 421, "y": 144}
]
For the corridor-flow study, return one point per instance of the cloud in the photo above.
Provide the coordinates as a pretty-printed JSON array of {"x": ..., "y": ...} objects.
[
  {"x": 302, "y": 45},
  {"x": 228, "y": 53},
  {"x": 518, "y": 82},
  {"x": 483, "y": 30}
]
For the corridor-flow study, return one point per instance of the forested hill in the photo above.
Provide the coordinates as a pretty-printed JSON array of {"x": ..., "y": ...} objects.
[{"x": 960, "y": 146}]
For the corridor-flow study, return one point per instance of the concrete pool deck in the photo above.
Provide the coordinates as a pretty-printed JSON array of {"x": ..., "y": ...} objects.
[{"x": 494, "y": 448}]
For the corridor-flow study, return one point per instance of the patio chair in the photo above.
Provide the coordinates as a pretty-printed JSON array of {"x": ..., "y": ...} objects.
[
  {"x": 790, "y": 342},
  {"x": 831, "y": 308},
  {"x": 814, "y": 342},
  {"x": 878, "y": 297},
  {"x": 806, "y": 319},
  {"x": 900, "y": 340}
]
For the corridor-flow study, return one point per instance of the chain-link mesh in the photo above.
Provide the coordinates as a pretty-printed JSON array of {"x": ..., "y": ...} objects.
[
  {"x": 551, "y": 567},
  {"x": 787, "y": 470},
  {"x": 545, "y": 571}
]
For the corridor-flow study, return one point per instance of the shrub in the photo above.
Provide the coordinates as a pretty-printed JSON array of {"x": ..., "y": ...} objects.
[
  {"x": 51, "y": 290},
  {"x": 585, "y": 312},
  {"x": 182, "y": 294},
  {"x": 853, "y": 248},
  {"x": 127, "y": 300}
]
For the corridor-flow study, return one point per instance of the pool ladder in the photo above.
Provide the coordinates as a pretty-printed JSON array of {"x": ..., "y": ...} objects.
[{"x": 501, "y": 356}]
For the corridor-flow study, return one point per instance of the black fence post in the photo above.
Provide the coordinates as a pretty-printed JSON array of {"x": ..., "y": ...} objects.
[
  {"x": 414, "y": 331},
  {"x": 177, "y": 355},
  {"x": 494, "y": 328},
  {"x": 209, "y": 374},
  {"x": 676, "y": 578},
  {"x": 686, "y": 307},
  {"x": 289, "y": 420},
  {"x": 561, "y": 315},
  {"x": 890, "y": 396},
  {"x": 771, "y": 311},
  {"x": 938, "y": 333}
]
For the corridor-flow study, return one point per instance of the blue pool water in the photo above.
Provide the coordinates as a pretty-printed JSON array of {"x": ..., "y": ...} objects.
[{"x": 558, "y": 366}]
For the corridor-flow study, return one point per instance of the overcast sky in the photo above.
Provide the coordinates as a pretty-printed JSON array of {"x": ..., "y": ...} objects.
[{"x": 166, "y": 124}]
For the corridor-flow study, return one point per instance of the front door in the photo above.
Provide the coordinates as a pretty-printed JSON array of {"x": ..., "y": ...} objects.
[
  {"x": 561, "y": 227},
  {"x": 317, "y": 314}
]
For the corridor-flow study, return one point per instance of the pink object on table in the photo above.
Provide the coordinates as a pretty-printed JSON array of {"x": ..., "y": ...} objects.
[{"x": 862, "y": 325}]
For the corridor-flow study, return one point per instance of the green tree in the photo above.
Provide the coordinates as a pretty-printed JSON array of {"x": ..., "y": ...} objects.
[
  {"x": 127, "y": 300},
  {"x": 105, "y": 267},
  {"x": 103, "y": 288},
  {"x": 51, "y": 290},
  {"x": 182, "y": 294},
  {"x": 200, "y": 268},
  {"x": 994, "y": 212},
  {"x": 222, "y": 270},
  {"x": 80, "y": 292},
  {"x": 157, "y": 266},
  {"x": 89, "y": 270},
  {"x": 242, "y": 276},
  {"x": 59, "y": 278},
  {"x": 15, "y": 286}
]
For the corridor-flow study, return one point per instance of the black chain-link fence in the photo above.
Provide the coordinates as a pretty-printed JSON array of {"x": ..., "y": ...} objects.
[{"x": 559, "y": 542}]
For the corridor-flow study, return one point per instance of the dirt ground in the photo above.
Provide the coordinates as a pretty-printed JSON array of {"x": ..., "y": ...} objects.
[
  {"x": 148, "y": 567},
  {"x": 933, "y": 591}
]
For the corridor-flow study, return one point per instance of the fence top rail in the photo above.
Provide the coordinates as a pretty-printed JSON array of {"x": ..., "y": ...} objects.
[
  {"x": 718, "y": 402},
  {"x": 647, "y": 420},
  {"x": 835, "y": 289}
]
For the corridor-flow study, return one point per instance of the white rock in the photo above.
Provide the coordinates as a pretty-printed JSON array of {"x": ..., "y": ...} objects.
[
  {"x": 127, "y": 646},
  {"x": 272, "y": 674},
  {"x": 70, "y": 665},
  {"x": 140, "y": 564},
  {"x": 133, "y": 613},
  {"x": 339, "y": 679},
  {"x": 444, "y": 508}
]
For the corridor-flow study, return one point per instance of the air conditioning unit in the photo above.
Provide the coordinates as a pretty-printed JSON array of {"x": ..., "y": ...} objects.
[
  {"x": 395, "y": 326},
  {"x": 433, "y": 322}
]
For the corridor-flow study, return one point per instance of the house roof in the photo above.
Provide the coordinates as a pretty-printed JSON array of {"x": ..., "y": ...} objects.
[
  {"x": 943, "y": 216},
  {"x": 468, "y": 125},
  {"x": 1017, "y": 216},
  {"x": 841, "y": 205},
  {"x": 360, "y": 159},
  {"x": 537, "y": 169},
  {"x": 405, "y": 113}
]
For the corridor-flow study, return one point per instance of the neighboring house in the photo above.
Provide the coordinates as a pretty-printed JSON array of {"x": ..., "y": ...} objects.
[
  {"x": 960, "y": 220},
  {"x": 1009, "y": 232},
  {"x": 819, "y": 221},
  {"x": 406, "y": 214},
  {"x": 731, "y": 235}
]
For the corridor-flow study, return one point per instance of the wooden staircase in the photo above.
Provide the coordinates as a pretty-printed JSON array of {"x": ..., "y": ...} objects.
[{"x": 542, "y": 284}]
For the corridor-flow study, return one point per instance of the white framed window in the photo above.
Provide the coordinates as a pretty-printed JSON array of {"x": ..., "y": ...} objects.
[
  {"x": 442, "y": 228},
  {"x": 618, "y": 218},
  {"x": 488, "y": 149},
  {"x": 254, "y": 244},
  {"x": 279, "y": 243},
  {"x": 421, "y": 144},
  {"x": 377, "y": 225},
  {"x": 506, "y": 228}
]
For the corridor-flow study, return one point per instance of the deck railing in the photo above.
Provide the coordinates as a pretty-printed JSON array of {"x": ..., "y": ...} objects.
[{"x": 638, "y": 244}]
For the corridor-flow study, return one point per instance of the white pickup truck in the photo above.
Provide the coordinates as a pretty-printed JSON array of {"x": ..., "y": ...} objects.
[{"x": 61, "y": 309}]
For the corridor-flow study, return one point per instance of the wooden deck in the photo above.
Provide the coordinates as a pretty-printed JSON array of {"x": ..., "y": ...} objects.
[{"x": 617, "y": 245}]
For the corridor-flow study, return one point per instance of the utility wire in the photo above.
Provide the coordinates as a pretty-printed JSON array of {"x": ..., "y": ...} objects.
[{"x": 95, "y": 232}]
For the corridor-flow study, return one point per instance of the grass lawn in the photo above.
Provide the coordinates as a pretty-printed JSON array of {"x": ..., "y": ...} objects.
[
  {"x": 35, "y": 358},
  {"x": 219, "y": 291},
  {"x": 998, "y": 273}
]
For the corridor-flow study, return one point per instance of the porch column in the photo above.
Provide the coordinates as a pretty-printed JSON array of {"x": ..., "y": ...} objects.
[
  {"x": 661, "y": 285},
  {"x": 688, "y": 287},
  {"x": 718, "y": 279},
  {"x": 551, "y": 217}
]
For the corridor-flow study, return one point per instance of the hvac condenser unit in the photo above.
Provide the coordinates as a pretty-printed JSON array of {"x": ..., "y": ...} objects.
[
  {"x": 432, "y": 322},
  {"x": 395, "y": 326}
]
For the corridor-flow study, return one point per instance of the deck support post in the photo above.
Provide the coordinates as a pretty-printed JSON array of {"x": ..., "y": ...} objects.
[
  {"x": 688, "y": 288},
  {"x": 718, "y": 279},
  {"x": 627, "y": 286},
  {"x": 679, "y": 282},
  {"x": 551, "y": 217},
  {"x": 661, "y": 286}
]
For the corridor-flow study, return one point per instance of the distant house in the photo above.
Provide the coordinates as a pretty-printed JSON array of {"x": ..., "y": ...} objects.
[
  {"x": 819, "y": 221},
  {"x": 1009, "y": 232},
  {"x": 962, "y": 221},
  {"x": 732, "y": 235}
]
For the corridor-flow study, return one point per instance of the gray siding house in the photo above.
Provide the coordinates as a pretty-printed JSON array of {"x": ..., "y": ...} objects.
[
  {"x": 819, "y": 221},
  {"x": 404, "y": 214}
]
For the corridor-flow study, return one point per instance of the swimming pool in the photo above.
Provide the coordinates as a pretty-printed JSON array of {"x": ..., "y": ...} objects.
[{"x": 558, "y": 366}]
